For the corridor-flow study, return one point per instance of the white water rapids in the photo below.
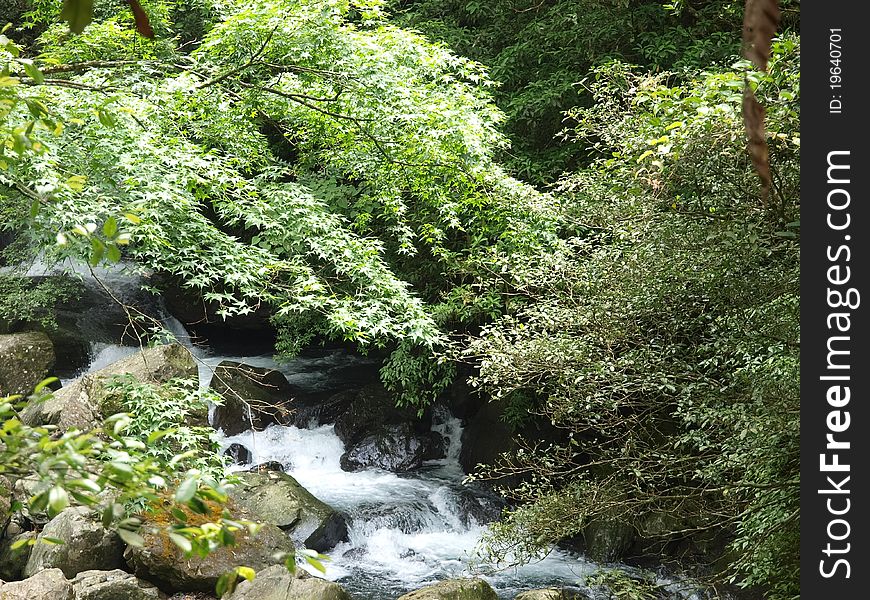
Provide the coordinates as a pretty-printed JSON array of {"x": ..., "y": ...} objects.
[{"x": 404, "y": 530}]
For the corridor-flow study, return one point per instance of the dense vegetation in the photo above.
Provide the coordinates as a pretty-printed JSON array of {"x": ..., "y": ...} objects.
[{"x": 368, "y": 183}]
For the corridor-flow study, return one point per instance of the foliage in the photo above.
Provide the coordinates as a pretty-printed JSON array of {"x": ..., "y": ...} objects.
[
  {"x": 306, "y": 156},
  {"x": 619, "y": 586},
  {"x": 538, "y": 51},
  {"x": 166, "y": 410},
  {"x": 24, "y": 301},
  {"x": 78, "y": 467},
  {"x": 665, "y": 341}
]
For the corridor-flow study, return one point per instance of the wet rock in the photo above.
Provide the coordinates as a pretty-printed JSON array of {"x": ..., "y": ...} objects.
[
  {"x": 485, "y": 438},
  {"x": 277, "y": 498},
  {"x": 239, "y": 454},
  {"x": 607, "y": 541},
  {"x": 314, "y": 411},
  {"x": 86, "y": 545},
  {"x": 113, "y": 585},
  {"x": 202, "y": 316},
  {"x": 272, "y": 465},
  {"x": 83, "y": 403},
  {"x": 25, "y": 360},
  {"x": 161, "y": 561},
  {"x": 276, "y": 583},
  {"x": 438, "y": 445},
  {"x": 454, "y": 589},
  {"x": 554, "y": 593},
  {"x": 397, "y": 448},
  {"x": 49, "y": 584},
  {"x": 377, "y": 434},
  {"x": 252, "y": 396},
  {"x": 372, "y": 409}
]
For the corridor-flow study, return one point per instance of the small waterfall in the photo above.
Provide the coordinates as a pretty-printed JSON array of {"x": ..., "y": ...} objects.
[{"x": 405, "y": 530}]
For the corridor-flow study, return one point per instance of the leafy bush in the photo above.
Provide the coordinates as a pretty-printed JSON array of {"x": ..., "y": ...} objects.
[{"x": 665, "y": 340}]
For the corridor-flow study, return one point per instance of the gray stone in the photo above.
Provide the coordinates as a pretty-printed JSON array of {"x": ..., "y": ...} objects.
[
  {"x": 45, "y": 585},
  {"x": 83, "y": 403},
  {"x": 277, "y": 498},
  {"x": 12, "y": 562},
  {"x": 608, "y": 540},
  {"x": 113, "y": 585},
  {"x": 553, "y": 593},
  {"x": 276, "y": 583},
  {"x": 25, "y": 360},
  {"x": 252, "y": 397},
  {"x": 159, "y": 560},
  {"x": 86, "y": 545},
  {"x": 397, "y": 448},
  {"x": 454, "y": 589}
]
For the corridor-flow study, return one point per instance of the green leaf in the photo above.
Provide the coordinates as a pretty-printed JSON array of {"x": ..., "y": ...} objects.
[
  {"x": 179, "y": 515},
  {"x": 110, "y": 227},
  {"x": 58, "y": 499},
  {"x": 290, "y": 563},
  {"x": 78, "y": 13},
  {"x": 131, "y": 538},
  {"x": 226, "y": 584},
  {"x": 156, "y": 435},
  {"x": 98, "y": 249},
  {"x": 246, "y": 572},
  {"x": 33, "y": 72},
  {"x": 315, "y": 563},
  {"x": 51, "y": 540},
  {"x": 87, "y": 484},
  {"x": 181, "y": 541},
  {"x": 17, "y": 544},
  {"x": 114, "y": 253},
  {"x": 47, "y": 381},
  {"x": 186, "y": 490}
]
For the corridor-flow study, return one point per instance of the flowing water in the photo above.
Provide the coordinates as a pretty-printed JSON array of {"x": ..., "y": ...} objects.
[{"x": 404, "y": 530}]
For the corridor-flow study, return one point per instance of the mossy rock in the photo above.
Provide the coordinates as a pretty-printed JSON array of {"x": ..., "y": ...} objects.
[
  {"x": 160, "y": 561},
  {"x": 85, "y": 402},
  {"x": 454, "y": 589},
  {"x": 25, "y": 360},
  {"x": 277, "y": 498}
]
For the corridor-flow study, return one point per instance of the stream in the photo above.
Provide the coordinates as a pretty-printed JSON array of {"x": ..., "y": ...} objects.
[{"x": 405, "y": 530}]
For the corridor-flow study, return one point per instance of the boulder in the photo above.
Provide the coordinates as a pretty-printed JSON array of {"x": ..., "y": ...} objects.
[
  {"x": 553, "y": 593},
  {"x": 25, "y": 360},
  {"x": 83, "y": 403},
  {"x": 24, "y": 489},
  {"x": 276, "y": 583},
  {"x": 239, "y": 454},
  {"x": 252, "y": 396},
  {"x": 45, "y": 585},
  {"x": 277, "y": 498},
  {"x": 609, "y": 540},
  {"x": 113, "y": 585},
  {"x": 397, "y": 448},
  {"x": 454, "y": 589},
  {"x": 86, "y": 545},
  {"x": 373, "y": 408},
  {"x": 312, "y": 411},
  {"x": 378, "y": 434},
  {"x": 161, "y": 561},
  {"x": 485, "y": 437},
  {"x": 12, "y": 562}
]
